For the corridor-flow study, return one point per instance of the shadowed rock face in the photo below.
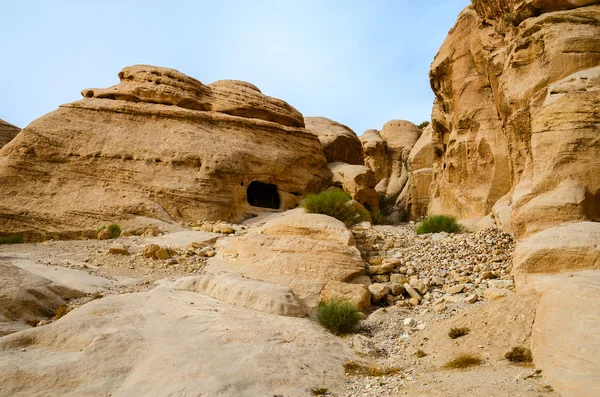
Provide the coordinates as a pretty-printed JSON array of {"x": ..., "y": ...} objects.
[
  {"x": 516, "y": 85},
  {"x": 340, "y": 143},
  {"x": 7, "y": 132},
  {"x": 159, "y": 144}
]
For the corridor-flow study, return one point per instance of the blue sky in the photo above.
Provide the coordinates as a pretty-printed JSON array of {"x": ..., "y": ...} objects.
[{"x": 358, "y": 62}]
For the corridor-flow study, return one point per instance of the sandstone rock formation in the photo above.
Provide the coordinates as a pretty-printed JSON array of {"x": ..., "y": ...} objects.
[
  {"x": 161, "y": 145},
  {"x": 386, "y": 153},
  {"x": 26, "y": 298},
  {"x": 298, "y": 250},
  {"x": 415, "y": 194},
  {"x": 515, "y": 116},
  {"x": 358, "y": 181},
  {"x": 166, "y": 343},
  {"x": 7, "y": 132},
  {"x": 340, "y": 143}
]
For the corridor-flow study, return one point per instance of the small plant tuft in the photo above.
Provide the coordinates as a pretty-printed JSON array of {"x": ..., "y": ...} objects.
[
  {"x": 319, "y": 391},
  {"x": 458, "y": 332},
  {"x": 519, "y": 354},
  {"x": 14, "y": 239},
  {"x": 115, "y": 230},
  {"x": 420, "y": 353},
  {"x": 423, "y": 124},
  {"x": 378, "y": 218},
  {"x": 335, "y": 203},
  {"x": 33, "y": 321},
  {"x": 338, "y": 316},
  {"x": 463, "y": 361},
  {"x": 60, "y": 311},
  {"x": 437, "y": 224},
  {"x": 354, "y": 367}
]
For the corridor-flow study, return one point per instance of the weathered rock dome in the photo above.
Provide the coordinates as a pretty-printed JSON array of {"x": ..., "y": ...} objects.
[{"x": 161, "y": 145}]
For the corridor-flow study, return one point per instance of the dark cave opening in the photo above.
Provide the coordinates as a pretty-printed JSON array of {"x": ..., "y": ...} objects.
[{"x": 263, "y": 195}]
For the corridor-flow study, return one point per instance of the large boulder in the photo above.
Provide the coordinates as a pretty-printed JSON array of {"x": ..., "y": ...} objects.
[
  {"x": 564, "y": 248},
  {"x": 26, "y": 298},
  {"x": 297, "y": 250},
  {"x": 7, "y": 132},
  {"x": 171, "y": 343},
  {"x": 162, "y": 145},
  {"x": 358, "y": 181},
  {"x": 516, "y": 86},
  {"x": 565, "y": 337},
  {"x": 340, "y": 143}
]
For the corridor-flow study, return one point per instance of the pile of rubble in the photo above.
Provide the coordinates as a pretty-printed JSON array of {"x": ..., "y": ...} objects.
[{"x": 406, "y": 269}]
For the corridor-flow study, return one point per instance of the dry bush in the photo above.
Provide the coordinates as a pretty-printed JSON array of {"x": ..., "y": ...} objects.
[
  {"x": 519, "y": 354},
  {"x": 463, "y": 360},
  {"x": 458, "y": 332}
]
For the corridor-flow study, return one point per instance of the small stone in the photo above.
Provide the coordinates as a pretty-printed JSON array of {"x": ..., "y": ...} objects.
[
  {"x": 439, "y": 307},
  {"x": 471, "y": 298},
  {"x": 412, "y": 292},
  {"x": 381, "y": 269},
  {"x": 409, "y": 322},
  {"x": 501, "y": 284},
  {"x": 456, "y": 289},
  {"x": 398, "y": 278},
  {"x": 495, "y": 293},
  {"x": 207, "y": 227},
  {"x": 163, "y": 254},
  {"x": 378, "y": 291},
  {"x": 150, "y": 251},
  {"x": 105, "y": 234},
  {"x": 419, "y": 285},
  {"x": 381, "y": 278},
  {"x": 487, "y": 275},
  {"x": 118, "y": 249},
  {"x": 151, "y": 231},
  {"x": 397, "y": 288},
  {"x": 414, "y": 301}
]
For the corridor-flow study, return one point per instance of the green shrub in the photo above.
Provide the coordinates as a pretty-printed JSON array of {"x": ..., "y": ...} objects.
[
  {"x": 519, "y": 355},
  {"x": 338, "y": 316},
  {"x": 14, "y": 239},
  {"x": 439, "y": 223},
  {"x": 335, "y": 203},
  {"x": 378, "y": 218},
  {"x": 423, "y": 124}
]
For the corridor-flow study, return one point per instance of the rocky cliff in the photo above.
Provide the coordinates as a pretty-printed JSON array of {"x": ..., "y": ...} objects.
[
  {"x": 162, "y": 145},
  {"x": 7, "y": 132},
  {"x": 516, "y": 122}
]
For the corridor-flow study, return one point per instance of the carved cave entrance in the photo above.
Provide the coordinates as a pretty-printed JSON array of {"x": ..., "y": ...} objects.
[{"x": 263, "y": 195}]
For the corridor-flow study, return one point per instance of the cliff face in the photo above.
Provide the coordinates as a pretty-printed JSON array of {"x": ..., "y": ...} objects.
[{"x": 517, "y": 87}]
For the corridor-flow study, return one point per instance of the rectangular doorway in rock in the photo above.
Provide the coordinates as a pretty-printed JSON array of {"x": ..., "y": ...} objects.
[{"x": 263, "y": 195}]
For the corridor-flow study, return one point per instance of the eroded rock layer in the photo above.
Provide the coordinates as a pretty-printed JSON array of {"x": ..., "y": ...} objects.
[
  {"x": 159, "y": 144},
  {"x": 7, "y": 132},
  {"x": 516, "y": 113}
]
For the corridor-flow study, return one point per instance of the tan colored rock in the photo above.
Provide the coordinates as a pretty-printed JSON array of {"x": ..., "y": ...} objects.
[
  {"x": 104, "y": 234},
  {"x": 150, "y": 251},
  {"x": 563, "y": 248},
  {"x": 251, "y": 294},
  {"x": 413, "y": 293},
  {"x": 9, "y": 131},
  {"x": 386, "y": 153},
  {"x": 356, "y": 294},
  {"x": 26, "y": 298},
  {"x": 358, "y": 181},
  {"x": 297, "y": 250},
  {"x": 179, "y": 149},
  {"x": 515, "y": 120},
  {"x": 118, "y": 249},
  {"x": 415, "y": 194},
  {"x": 379, "y": 290},
  {"x": 163, "y": 254},
  {"x": 165, "y": 343},
  {"x": 565, "y": 335},
  {"x": 340, "y": 143}
]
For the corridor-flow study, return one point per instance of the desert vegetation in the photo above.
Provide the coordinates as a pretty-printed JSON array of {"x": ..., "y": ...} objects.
[
  {"x": 519, "y": 354},
  {"x": 458, "y": 332},
  {"x": 13, "y": 239},
  {"x": 338, "y": 316},
  {"x": 335, "y": 203},
  {"x": 437, "y": 224},
  {"x": 462, "y": 361}
]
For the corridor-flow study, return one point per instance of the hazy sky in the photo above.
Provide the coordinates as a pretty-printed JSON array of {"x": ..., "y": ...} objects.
[{"x": 359, "y": 62}]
